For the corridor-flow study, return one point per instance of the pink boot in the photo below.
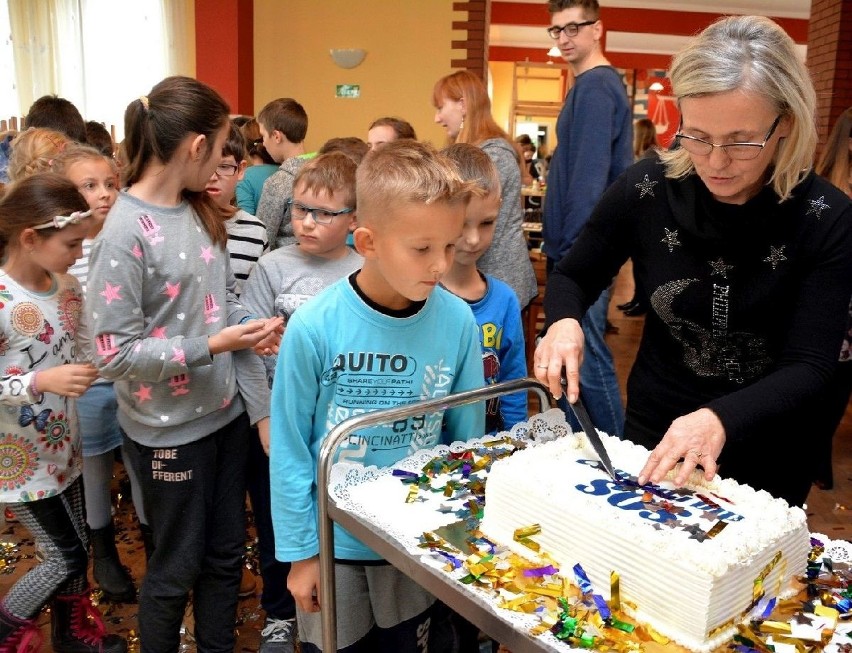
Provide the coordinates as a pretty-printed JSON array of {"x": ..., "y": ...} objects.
[
  {"x": 18, "y": 635},
  {"x": 77, "y": 627}
]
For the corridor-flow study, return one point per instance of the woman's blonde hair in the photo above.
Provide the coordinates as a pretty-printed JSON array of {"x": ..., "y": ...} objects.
[
  {"x": 751, "y": 53},
  {"x": 34, "y": 150}
]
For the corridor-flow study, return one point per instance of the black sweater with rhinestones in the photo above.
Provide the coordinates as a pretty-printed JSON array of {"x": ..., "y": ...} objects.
[{"x": 748, "y": 302}]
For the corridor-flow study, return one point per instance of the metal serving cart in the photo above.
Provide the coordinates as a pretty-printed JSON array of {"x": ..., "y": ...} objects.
[{"x": 440, "y": 584}]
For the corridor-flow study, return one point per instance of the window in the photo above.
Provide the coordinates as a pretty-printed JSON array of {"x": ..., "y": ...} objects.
[
  {"x": 99, "y": 54},
  {"x": 8, "y": 89}
]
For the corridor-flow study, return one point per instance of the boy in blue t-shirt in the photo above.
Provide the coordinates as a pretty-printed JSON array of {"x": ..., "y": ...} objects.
[
  {"x": 323, "y": 214},
  {"x": 390, "y": 328},
  {"x": 494, "y": 303}
]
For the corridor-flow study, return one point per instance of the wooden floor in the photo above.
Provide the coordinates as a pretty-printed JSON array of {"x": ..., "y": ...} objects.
[{"x": 829, "y": 512}]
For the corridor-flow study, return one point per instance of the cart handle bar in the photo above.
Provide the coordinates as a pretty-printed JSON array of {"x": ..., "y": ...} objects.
[{"x": 341, "y": 431}]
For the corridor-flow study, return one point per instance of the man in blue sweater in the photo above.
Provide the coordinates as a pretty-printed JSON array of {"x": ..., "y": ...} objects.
[{"x": 595, "y": 136}]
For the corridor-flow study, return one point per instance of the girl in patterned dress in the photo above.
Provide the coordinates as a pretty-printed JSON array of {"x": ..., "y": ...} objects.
[
  {"x": 96, "y": 177},
  {"x": 43, "y": 220}
]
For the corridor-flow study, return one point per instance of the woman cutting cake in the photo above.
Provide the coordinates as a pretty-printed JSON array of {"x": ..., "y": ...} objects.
[{"x": 746, "y": 256}]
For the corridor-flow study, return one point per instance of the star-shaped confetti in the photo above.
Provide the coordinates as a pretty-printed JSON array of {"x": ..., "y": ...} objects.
[
  {"x": 817, "y": 206},
  {"x": 803, "y": 619},
  {"x": 646, "y": 187},
  {"x": 207, "y": 254},
  {"x": 720, "y": 267},
  {"x": 709, "y": 515},
  {"x": 776, "y": 255},
  {"x": 172, "y": 290},
  {"x": 110, "y": 292},
  {"x": 671, "y": 239},
  {"x": 143, "y": 393},
  {"x": 695, "y": 533}
]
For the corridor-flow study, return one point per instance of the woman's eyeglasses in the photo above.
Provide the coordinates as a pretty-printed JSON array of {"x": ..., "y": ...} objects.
[{"x": 739, "y": 151}]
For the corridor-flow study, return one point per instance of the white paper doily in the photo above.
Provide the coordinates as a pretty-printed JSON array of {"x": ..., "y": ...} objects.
[{"x": 374, "y": 495}]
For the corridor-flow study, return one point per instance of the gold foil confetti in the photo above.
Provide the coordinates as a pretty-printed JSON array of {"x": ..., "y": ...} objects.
[{"x": 615, "y": 590}]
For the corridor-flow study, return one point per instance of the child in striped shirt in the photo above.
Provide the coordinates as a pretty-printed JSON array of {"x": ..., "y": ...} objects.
[{"x": 246, "y": 234}]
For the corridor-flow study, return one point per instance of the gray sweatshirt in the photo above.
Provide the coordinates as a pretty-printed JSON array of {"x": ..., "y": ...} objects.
[
  {"x": 285, "y": 279},
  {"x": 508, "y": 258},
  {"x": 158, "y": 289}
]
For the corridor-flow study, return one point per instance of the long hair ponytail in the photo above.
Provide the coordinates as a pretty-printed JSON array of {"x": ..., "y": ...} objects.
[{"x": 156, "y": 124}]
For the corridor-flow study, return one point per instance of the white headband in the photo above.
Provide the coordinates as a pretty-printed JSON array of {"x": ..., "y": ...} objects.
[{"x": 60, "y": 221}]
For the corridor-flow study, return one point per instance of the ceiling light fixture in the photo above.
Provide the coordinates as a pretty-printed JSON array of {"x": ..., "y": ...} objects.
[{"x": 348, "y": 57}]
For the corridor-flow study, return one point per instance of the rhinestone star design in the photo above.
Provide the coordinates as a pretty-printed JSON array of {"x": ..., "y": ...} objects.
[
  {"x": 671, "y": 239},
  {"x": 817, "y": 206},
  {"x": 720, "y": 267},
  {"x": 776, "y": 255},
  {"x": 646, "y": 187}
]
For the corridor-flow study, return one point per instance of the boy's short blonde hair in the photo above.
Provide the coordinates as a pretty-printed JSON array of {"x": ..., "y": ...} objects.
[
  {"x": 407, "y": 172},
  {"x": 474, "y": 166},
  {"x": 333, "y": 173}
]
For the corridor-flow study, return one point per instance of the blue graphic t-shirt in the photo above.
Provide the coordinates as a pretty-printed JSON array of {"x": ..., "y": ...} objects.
[{"x": 340, "y": 358}]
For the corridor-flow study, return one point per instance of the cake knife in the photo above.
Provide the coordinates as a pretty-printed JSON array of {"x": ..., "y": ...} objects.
[{"x": 592, "y": 433}]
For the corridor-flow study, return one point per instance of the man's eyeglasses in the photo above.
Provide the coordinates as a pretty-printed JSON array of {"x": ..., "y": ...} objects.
[
  {"x": 299, "y": 211},
  {"x": 570, "y": 29},
  {"x": 226, "y": 169},
  {"x": 739, "y": 151}
]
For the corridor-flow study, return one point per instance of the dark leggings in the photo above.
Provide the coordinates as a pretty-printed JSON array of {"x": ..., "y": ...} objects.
[{"x": 58, "y": 528}]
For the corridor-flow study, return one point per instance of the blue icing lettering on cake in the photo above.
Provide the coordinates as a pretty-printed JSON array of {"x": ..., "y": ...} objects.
[
  {"x": 689, "y": 559},
  {"x": 654, "y": 503}
]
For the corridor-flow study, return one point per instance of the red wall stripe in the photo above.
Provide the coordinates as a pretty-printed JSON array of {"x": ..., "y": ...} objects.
[
  {"x": 618, "y": 59},
  {"x": 648, "y": 21}
]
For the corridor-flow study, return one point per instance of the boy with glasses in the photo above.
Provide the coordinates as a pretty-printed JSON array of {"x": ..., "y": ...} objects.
[{"x": 595, "y": 144}]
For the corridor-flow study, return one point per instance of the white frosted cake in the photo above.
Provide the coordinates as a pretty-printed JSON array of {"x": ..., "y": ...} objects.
[{"x": 690, "y": 560}]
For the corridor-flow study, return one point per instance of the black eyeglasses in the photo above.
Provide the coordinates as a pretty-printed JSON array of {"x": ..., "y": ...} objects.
[
  {"x": 570, "y": 29},
  {"x": 227, "y": 169},
  {"x": 739, "y": 151},
  {"x": 299, "y": 211}
]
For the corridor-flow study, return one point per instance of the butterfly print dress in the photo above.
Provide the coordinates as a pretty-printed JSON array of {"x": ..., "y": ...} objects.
[{"x": 40, "y": 451}]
